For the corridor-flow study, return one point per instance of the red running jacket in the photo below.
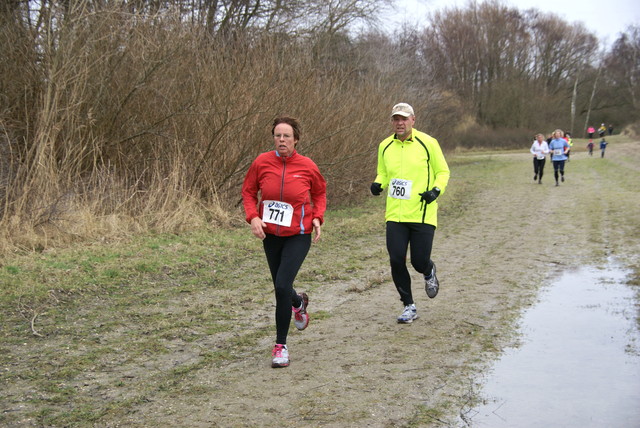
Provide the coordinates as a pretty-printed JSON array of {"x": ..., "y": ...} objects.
[{"x": 296, "y": 180}]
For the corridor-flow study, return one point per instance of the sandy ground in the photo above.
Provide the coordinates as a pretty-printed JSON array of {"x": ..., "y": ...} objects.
[{"x": 356, "y": 367}]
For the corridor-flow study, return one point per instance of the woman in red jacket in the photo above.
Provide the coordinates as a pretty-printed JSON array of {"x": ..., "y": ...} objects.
[{"x": 291, "y": 205}]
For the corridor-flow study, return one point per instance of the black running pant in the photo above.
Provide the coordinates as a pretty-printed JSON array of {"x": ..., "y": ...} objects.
[
  {"x": 538, "y": 167},
  {"x": 558, "y": 166},
  {"x": 285, "y": 255},
  {"x": 399, "y": 236}
]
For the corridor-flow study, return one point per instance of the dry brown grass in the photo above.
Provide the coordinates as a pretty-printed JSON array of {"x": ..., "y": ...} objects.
[
  {"x": 115, "y": 122},
  {"x": 130, "y": 122}
]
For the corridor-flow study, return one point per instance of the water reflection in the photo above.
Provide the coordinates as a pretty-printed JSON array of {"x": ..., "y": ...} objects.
[{"x": 579, "y": 363}]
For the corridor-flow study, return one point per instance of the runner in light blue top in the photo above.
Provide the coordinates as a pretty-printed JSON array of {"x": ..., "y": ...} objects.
[{"x": 558, "y": 148}]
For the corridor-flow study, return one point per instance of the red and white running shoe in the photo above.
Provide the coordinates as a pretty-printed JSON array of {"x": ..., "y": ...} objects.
[
  {"x": 280, "y": 355},
  {"x": 301, "y": 317}
]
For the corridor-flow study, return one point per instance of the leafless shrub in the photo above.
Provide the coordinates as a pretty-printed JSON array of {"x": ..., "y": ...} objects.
[
  {"x": 138, "y": 122},
  {"x": 118, "y": 117},
  {"x": 484, "y": 137}
]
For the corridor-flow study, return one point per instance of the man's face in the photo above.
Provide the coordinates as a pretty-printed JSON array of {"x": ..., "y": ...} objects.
[{"x": 402, "y": 125}]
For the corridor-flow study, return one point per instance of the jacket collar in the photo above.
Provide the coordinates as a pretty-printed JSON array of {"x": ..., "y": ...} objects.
[{"x": 287, "y": 157}]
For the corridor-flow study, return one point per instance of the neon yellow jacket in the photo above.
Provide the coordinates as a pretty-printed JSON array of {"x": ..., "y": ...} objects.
[{"x": 418, "y": 161}]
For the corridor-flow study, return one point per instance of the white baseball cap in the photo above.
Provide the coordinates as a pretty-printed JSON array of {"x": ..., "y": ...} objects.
[{"x": 403, "y": 109}]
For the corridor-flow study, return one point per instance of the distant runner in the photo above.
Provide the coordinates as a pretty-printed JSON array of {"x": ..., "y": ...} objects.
[
  {"x": 558, "y": 147},
  {"x": 539, "y": 149},
  {"x": 603, "y": 147}
]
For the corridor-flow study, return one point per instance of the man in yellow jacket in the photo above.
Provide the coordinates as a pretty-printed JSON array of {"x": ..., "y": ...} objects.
[{"x": 414, "y": 172}]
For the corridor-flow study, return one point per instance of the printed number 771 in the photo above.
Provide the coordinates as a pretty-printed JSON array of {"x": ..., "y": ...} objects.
[{"x": 274, "y": 213}]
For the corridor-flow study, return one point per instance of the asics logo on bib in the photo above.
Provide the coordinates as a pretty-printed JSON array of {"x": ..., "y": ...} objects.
[{"x": 275, "y": 204}]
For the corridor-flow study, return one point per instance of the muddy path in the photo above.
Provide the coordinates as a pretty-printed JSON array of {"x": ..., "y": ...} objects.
[
  {"x": 359, "y": 368},
  {"x": 500, "y": 239}
]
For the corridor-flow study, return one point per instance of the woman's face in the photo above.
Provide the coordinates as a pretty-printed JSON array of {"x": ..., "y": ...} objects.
[{"x": 284, "y": 139}]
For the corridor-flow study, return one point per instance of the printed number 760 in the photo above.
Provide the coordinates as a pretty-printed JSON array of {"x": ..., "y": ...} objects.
[{"x": 398, "y": 191}]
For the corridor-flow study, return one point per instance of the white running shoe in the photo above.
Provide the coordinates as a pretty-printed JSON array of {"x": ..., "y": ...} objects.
[
  {"x": 431, "y": 284},
  {"x": 300, "y": 315},
  {"x": 280, "y": 355},
  {"x": 409, "y": 314}
]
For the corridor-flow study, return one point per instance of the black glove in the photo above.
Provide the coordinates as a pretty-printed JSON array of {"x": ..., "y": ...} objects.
[
  {"x": 376, "y": 189},
  {"x": 430, "y": 195}
]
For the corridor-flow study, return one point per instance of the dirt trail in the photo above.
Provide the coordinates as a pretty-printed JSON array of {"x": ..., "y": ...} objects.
[
  {"x": 359, "y": 368},
  {"x": 356, "y": 367}
]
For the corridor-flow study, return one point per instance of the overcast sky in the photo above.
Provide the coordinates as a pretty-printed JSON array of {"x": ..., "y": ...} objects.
[{"x": 605, "y": 18}]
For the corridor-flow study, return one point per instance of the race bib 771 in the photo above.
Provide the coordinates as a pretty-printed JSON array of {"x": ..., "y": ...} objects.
[{"x": 277, "y": 212}]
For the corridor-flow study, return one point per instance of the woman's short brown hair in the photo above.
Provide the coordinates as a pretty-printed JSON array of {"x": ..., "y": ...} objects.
[{"x": 289, "y": 121}]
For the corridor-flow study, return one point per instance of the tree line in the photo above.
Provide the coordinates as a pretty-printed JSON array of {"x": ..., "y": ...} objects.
[{"x": 125, "y": 115}]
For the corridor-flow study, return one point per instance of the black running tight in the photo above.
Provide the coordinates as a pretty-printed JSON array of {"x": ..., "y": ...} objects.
[
  {"x": 558, "y": 166},
  {"x": 399, "y": 236},
  {"x": 538, "y": 167},
  {"x": 285, "y": 255}
]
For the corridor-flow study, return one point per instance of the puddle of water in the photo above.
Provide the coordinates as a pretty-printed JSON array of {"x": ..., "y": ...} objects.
[{"x": 579, "y": 363}]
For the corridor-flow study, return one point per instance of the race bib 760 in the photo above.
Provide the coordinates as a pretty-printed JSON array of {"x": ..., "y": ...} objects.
[{"x": 400, "y": 189}]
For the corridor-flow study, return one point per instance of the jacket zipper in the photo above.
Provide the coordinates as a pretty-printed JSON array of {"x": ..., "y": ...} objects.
[{"x": 284, "y": 170}]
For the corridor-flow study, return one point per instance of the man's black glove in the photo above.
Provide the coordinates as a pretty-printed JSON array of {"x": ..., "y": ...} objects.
[
  {"x": 430, "y": 195},
  {"x": 376, "y": 189}
]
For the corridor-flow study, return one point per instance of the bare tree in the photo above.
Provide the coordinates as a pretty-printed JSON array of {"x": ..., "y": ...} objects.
[
  {"x": 623, "y": 66},
  {"x": 502, "y": 60}
]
